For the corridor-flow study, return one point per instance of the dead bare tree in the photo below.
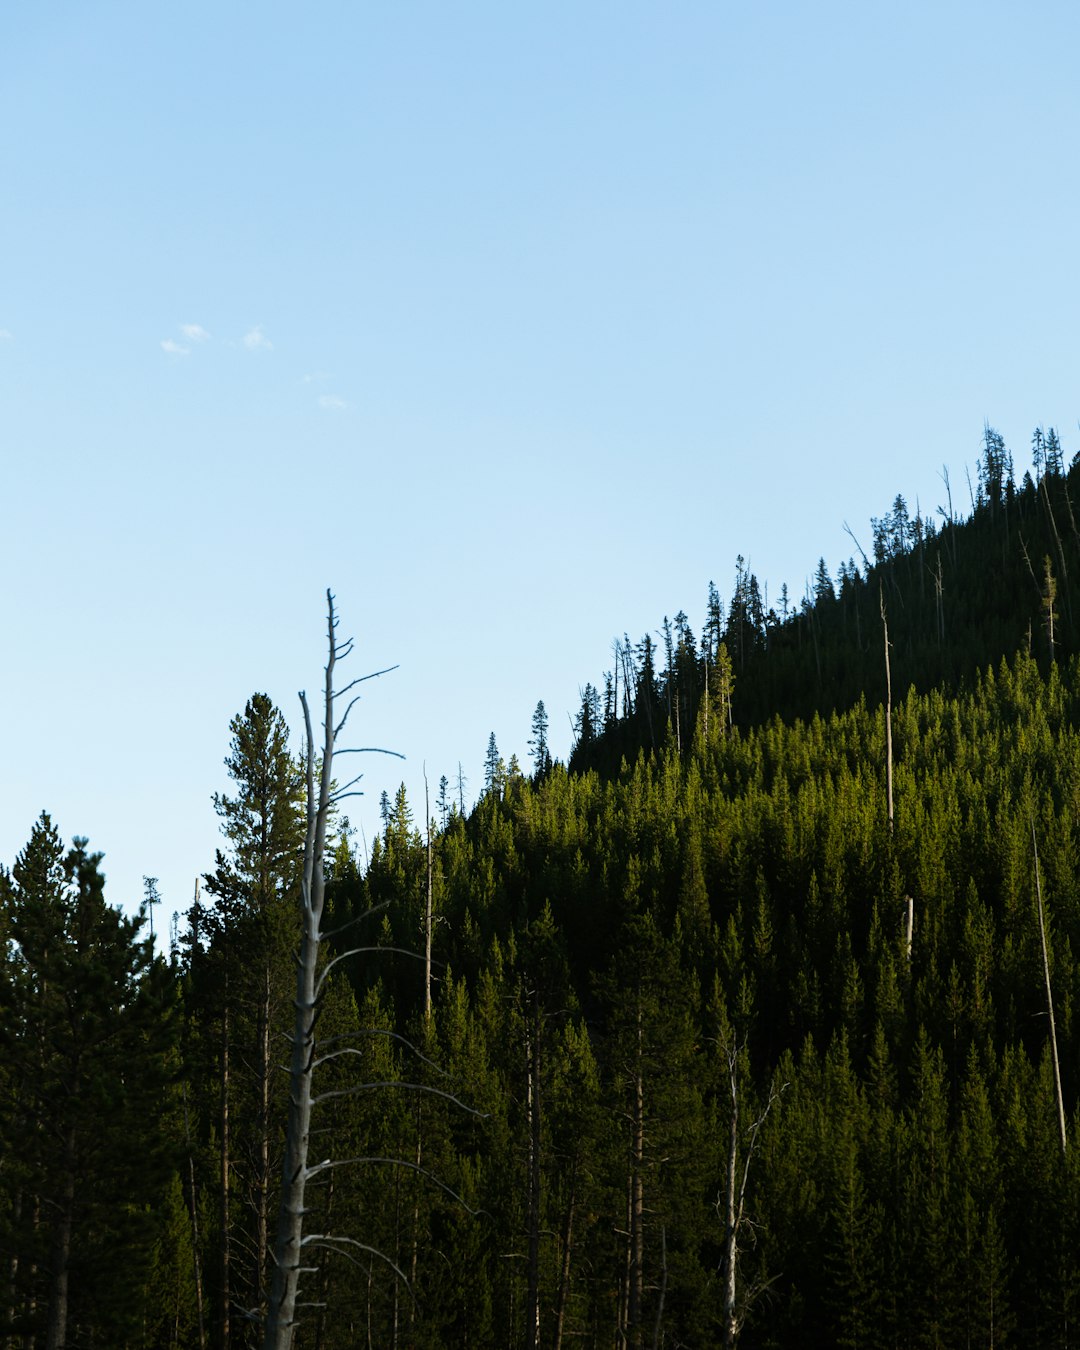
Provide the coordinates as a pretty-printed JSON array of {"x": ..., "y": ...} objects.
[
  {"x": 294, "y": 1246},
  {"x": 888, "y": 715},
  {"x": 427, "y": 907},
  {"x": 909, "y": 903},
  {"x": 731, "y": 1202},
  {"x": 1049, "y": 995},
  {"x": 310, "y": 982}
]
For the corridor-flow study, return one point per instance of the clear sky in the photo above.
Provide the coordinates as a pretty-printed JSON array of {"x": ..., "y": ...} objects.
[{"x": 513, "y": 324}]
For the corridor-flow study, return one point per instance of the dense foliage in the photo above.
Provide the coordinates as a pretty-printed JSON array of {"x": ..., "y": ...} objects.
[{"x": 682, "y": 959}]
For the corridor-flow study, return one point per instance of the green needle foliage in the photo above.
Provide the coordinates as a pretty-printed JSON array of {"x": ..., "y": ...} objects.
[{"x": 704, "y": 919}]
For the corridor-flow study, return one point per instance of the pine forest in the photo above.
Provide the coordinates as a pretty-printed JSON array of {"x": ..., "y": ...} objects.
[{"x": 755, "y": 1022}]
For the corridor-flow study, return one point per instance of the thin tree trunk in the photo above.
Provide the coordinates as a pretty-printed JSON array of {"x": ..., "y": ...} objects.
[
  {"x": 288, "y": 1255},
  {"x": 731, "y": 1245},
  {"x": 909, "y": 927},
  {"x": 414, "y": 1254},
  {"x": 532, "y": 1099},
  {"x": 637, "y": 1201},
  {"x": 13, "y": 1264},
  {"x": 194, "y": 1202},
  {"x": 225, "y": 1311},
  {"x": 1049, "y": 997},
  {"x": 56, "y": 1332},
  {"x": 262, "y": 1181},
  {"x": 888, "y": 718},
  {"x": 564, "y": 1272},
  {"x": 622, "y": 1313},
  {"x": 658, "y": 1326},
  {"x": 1060, "y": 549},
  {"x": 291, "y": 1242},
  {"x": 427, "y": 908},
  {"x": 289, "y": 1248}
]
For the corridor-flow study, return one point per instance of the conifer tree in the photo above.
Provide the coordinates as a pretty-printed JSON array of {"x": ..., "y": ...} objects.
[
  {"x": 538, "y": 744},
  {"x": 242, "y": 973},
  {"x": 86, "y": 1033}
]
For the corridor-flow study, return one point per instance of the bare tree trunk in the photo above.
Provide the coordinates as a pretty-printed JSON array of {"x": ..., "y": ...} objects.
[
  {"x": 736, "y": 1300},
  {"x": 1049, "y": 997},
  {"x": 291, "y": 1240},
  {"x": 564, "y": 1272},
  {"x": 909, "y": 927},
  {"x": 658, "y": 1326},
  {"x": 731, "y": 1242},
  {"x": 288, "y": 1254},
  {"x": 196, "y": 1260},
  {"x": 622, "y": 1312},
  {"x": 810, "y": 619},
  {"x": 637, "y": 1201},
  {"x": 1060, "y": 549},
  {"x": 56, "y": 1332},
  {"x": 225, "y": 1310},
  {"x": 13, "y": 1265},
  {"x": 262, "y": 1179},
  {"x": 888, "y": 718},
  {"x": 194, "y": 1210},
  {"x": 414, "y": 1255},
  {"x": 532, "y": 1099},
  {"x": 427, "y": 908}
]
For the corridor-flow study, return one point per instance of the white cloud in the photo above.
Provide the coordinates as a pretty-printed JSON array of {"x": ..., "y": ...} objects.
[
  {"x": 194, "y": 332},
  {"x": 174, "y": 348},
  {"x": 332, "y": 402},
  {"x": 6, "y": 335},
  {"x": 316, "y": 377},
  {"x": 256, "y": 340}
]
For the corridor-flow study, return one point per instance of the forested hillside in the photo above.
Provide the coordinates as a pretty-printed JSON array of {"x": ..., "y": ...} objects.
[{"x": 736, "y": 1027}]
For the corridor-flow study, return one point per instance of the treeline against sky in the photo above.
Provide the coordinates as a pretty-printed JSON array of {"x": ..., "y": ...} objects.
[
  {"x": 960, "y": 593},
  {"x": 701, "y": 922}
]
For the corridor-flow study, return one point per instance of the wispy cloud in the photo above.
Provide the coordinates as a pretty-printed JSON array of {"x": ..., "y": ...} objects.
[
  {"x": 255, "y": 340},
  {"x": 194, "y": 332},
  {"x": 316, "y": 377},
  {"x": 6, "y": 335},
  {"x": 174, "y": 348},
  {"x": 332, "y": 403}
]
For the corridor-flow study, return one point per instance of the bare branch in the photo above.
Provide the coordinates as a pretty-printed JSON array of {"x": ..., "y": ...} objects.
[
  {"x": 329, "y": 936},
  {"x": 345, "y": 715},
  {"x": 866, "y": 560},
  {"x": 397, "y": 1083},
  {"x": 393, "y": 1162},
  {"x": 330, "y": 1243},
  {"x": 369, "y": 750},
  {"x": 359, "y": 951},
  {"x": 377, "y": 1031},
  {"x": 362, "y": 678}
]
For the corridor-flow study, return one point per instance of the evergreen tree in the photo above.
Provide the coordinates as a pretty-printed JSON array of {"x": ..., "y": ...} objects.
[
  {"x": 539, "y": 742},
  {"x": 242, "y": 977},
  {"x": 87, "y": 1033},
  {"x": 493, "y": 765}
]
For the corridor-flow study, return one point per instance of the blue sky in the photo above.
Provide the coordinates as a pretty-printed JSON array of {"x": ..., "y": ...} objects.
[{"x": 515, "y": 325}]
